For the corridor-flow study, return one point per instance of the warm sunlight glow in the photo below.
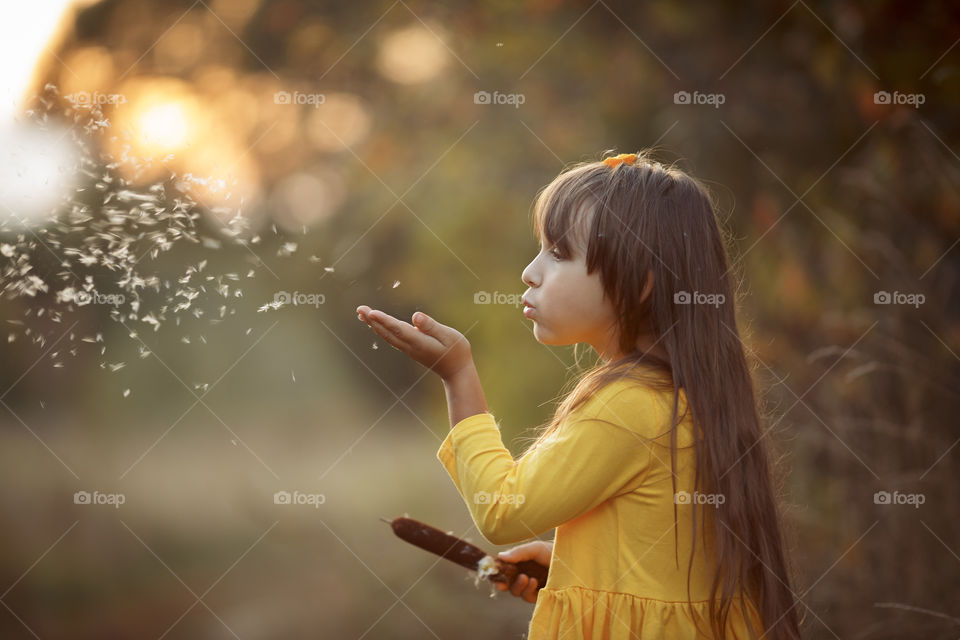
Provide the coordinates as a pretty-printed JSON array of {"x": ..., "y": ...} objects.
[
  {"x": 167, "y": 128},
  {"x": 26, "y": 32},
  {"x": 36, "y": 166},
  {"x": 412, "y": 55},
  {"x": 164, "y": 128}
]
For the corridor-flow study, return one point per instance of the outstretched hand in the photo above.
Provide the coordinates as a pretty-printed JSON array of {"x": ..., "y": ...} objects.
[{"x": 440, "y": 348}]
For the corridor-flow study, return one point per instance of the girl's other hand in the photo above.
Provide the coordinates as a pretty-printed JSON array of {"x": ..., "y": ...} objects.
[
  {"x": 440, "y": 348},
  {"x": 523, "y": 586}
]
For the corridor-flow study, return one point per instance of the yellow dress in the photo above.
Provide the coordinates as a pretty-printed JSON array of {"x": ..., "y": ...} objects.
[{"x": 606, "y": 488}]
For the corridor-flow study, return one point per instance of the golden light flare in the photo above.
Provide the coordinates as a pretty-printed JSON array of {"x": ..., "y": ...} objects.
[
  {"x": 166, "y": 128},
  {"x": 413, "y": 54},
  {"x": 28, "y": 32},
  {"x": 37, "y": 165}
]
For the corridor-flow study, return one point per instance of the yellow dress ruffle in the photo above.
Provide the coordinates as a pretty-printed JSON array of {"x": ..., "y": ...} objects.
[{"x": 577, "y": 612}]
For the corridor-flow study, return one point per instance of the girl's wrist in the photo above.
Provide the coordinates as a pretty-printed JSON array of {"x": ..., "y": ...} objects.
[{"x": 464, "y": 394}]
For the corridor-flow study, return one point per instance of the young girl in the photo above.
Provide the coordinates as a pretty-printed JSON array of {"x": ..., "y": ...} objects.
[{"x": 633, "y": 263}]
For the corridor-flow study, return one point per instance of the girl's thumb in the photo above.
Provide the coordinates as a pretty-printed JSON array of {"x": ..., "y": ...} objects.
[{"x": 421, "y": 320}]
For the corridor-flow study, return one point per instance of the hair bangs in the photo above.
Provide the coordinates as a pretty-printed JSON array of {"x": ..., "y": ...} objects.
[{"x": 564, "y": 208}]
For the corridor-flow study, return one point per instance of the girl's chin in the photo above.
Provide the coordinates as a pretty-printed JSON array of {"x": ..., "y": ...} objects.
[{"x": 544, "y": 336}]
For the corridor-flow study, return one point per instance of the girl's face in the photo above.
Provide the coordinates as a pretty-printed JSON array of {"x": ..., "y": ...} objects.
[{"x": 568, "y": 304}]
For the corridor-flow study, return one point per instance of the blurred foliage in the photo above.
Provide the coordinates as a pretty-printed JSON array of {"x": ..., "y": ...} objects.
[{"x": 401, "y": 176}]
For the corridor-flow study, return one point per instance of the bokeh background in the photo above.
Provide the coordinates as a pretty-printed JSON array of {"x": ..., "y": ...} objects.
[{"x": 388, "y": 153}]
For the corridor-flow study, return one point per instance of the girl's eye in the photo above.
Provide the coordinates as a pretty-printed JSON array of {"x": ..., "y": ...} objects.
[{"x": 555, "y": 252}]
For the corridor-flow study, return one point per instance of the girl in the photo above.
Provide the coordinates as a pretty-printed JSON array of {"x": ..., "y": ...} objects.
[{"x": 657, "y": 453}]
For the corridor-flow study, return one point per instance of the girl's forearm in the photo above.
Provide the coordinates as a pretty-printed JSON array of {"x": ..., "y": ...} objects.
[{"x": 464, "y": 394}]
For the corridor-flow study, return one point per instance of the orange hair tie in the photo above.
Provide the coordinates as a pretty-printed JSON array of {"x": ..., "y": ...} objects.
[{"x": 615, "y": 161}]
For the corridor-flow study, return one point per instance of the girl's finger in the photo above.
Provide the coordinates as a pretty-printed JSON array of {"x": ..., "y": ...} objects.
[
  {"x": 397, "y": 327},
  {"x": 519, "y": 584},
  {"x": 363, "y": 313},
  {"x": 412, "y": 337},
  {"x": 530, "y": 594},
  {"x": 391, "y": 337},
  {"x": 426, "y": 325}
]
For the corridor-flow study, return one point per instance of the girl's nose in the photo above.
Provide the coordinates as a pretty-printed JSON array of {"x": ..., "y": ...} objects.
[{"x": 527, "y": 275}]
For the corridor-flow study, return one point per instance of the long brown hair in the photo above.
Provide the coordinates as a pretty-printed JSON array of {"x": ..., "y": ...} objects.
[{"x": 646, "y": 220}]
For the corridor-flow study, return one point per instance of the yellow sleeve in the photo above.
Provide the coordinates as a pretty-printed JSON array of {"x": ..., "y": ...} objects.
[{"x": 599, "y": 450}]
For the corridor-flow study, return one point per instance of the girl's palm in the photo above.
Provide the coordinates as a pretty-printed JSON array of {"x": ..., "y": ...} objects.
[{"x": 436, "y": 346}]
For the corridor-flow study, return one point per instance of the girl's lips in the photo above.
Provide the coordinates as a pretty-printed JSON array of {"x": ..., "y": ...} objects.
[{"x": 528, "y": 311}]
